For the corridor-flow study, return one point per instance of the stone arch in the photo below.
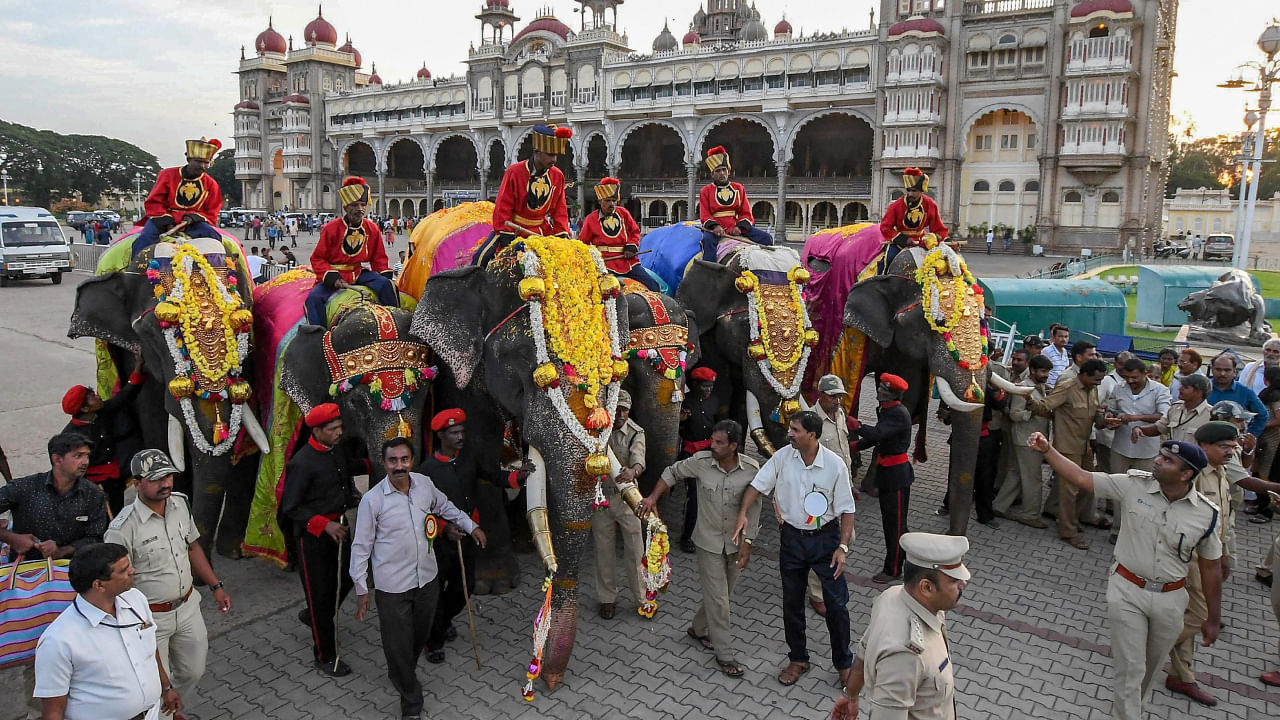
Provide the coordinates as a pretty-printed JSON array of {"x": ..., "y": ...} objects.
[
  {"x": 596, "y": 153},
  {"x": 824, "y": 215},
  {"x": 854, "y": 212},
  {"x": 366, "y": 162},
  {"x": 615, "y": 153},
  {"x": 851, "y": 160},
  {"x": 973, "y": 117},
  {"x": 661, "y": 155},
  {"x": 393, "y": 208},
  {"x": 458, "y": 165},
  {"x": 1001, "y": 154},
  {"x": 750, "y": 158},
  {"x": 424, "y": 207},
  {"x": 763, "y": 212},
  {"x": 794, "y": 215},
  {"x": 658, "y": 211},
  {"x": 405, "y": 157},
  {"x": 496, "y": 159},
  {"x": 679, "y": 211}
]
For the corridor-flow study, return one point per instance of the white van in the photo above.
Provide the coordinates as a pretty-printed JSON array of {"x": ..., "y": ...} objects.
[{"x": 32, "y": 245}]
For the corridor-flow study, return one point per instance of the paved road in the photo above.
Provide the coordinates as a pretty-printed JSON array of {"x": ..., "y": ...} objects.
[{"x": 1030, "y": 639}]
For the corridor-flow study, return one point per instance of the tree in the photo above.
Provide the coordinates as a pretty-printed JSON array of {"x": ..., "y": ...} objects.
[
  {"x": 48, "y": 164},
  {"x": 1214, "y": 163},
  {"x": 223, "y": 169}
]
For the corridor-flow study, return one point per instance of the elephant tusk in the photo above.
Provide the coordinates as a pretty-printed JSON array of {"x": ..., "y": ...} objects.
[
  {"x": 539, "y": 523},
  {"x": 629, "y": 491},
  {"x": 177, "y": 448},
  {"x": 1002, "y": 383},
  {"x": 949, "y": 397},
  {"x": 804, "y": 405},
  {"x": 251, "y": 425},
  {"x": 756, "y": 425}
]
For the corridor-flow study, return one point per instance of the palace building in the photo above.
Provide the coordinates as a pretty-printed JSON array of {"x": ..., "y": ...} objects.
[{"x": 1046, "y": 117}]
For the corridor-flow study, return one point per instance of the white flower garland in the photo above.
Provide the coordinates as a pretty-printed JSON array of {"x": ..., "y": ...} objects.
[
  {"x": 182, "y": 367},
  {"x": 765, "y": 368},
  {"x": 532, "y": 268}
]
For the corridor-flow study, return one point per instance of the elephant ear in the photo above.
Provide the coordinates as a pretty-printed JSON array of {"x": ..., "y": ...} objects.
[
  {"x": 106, "y": 306},
  {"x": 695, "y": 353},
  {"x": 874, "y": 306},
  {"x": 707, "y": 291},
  {"x": 304, "y": 373},
  {"x": 450, "y": 319}
]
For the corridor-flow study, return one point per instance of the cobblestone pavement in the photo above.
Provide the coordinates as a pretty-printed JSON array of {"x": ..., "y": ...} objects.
[{"x": 1030, "y": 639}]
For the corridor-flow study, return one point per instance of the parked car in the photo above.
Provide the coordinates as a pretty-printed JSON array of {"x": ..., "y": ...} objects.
[
  {"x": 32, "y": 245},
  {"x": 110, "y": 216},
  {"x": 79, "y": 218},
  {"x": 1218, "y": 246}
]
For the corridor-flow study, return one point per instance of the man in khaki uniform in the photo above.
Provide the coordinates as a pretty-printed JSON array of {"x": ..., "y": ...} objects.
[
  {"x": 1073, "y": 402},
  {"x": 904, "y": 661},
  {"x": 627, "y": 444},
  {"x": 722, "y": 474},
  {"x": 1185, "y": 415},
  {"x": 161, "y": 536},
  {"x": 834, "y": 437},
  {"x": 1027, "y": 414},
  {"x": 1167, "y": 522}
]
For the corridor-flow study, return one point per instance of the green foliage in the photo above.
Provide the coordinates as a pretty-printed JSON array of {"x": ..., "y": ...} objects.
[
  {"x": 66, "y": 205},
  {"x": 1205, "y": 162},
  {"x": 86, "y": 164},
  {"x": 223, "y": 170},
  {"x": 1027, "y": 234}
]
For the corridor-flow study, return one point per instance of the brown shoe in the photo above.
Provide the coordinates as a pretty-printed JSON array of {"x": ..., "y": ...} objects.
[
  {"x": 818, "y": 606},
  {"x": 1033, "y": 522},
  {"x": 1191, "y": 690},
  {"x": 607, "y": 610},
  {"x": 792, "y": 672},
  {"x": 1270, "y": 678},
  {"x": 1076, "y": 541}
]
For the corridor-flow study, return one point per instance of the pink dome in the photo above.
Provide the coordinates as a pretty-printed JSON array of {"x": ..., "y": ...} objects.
[
  {"x": 424, "y": 73},
  {"x": 373, "y": 78},
  {"x": 246, "y": 105},
  {"x": 349, "y": 48},
  {"x": 1089, "y": 7},
  {"x": 691, "y": 38},
  {"x": 320, "y": 31},
  {"x": 297, "y": 100},
  {"x": 269, "y": 41},
  {"x": 548, "y": 24},
  {"x": 498, "y": 3},
  {"x": 782, "y": 28},
  {"x": 920, "y": 25}
]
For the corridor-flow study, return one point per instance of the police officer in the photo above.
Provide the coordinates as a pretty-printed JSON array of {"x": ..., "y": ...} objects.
[
  {"x": 162, "y": 539},
  {"x": 1146, "y": 593},
  {"x": 628, "y": 446},
  {"x": 892, "y": 435},
  {"x": 904, "y": 662}
]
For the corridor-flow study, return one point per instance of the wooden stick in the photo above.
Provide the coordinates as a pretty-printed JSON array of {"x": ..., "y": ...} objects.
[
  {"x": 174, "y": 229},
  {"x": 525, "y": 232},
  {"x": 467, "y": 596},
  {"x": 619, "y": 252}
]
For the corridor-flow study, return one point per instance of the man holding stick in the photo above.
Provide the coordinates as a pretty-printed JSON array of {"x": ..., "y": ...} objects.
[
  {"x": 615, "y": 233},
  {"x": 531, "y": 197},
  {"x": 398, "y": 522}
]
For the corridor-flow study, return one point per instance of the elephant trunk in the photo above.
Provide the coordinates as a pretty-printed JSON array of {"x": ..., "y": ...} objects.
[{"x": 965, "y": 429}]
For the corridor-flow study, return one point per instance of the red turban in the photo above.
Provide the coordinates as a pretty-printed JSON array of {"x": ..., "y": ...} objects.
[
  {"x": 447, "y": 419},
  {"x": 322, "y": 415},
  {"x": 73, "y": 400},
  {"x": 703, "y": 374},
  {"x": 893, "y": 382}
]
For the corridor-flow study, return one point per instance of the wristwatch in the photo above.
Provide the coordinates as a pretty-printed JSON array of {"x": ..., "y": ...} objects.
[
  {"x": 216, "y": 586},
  {"x": 845, "y": 548}
]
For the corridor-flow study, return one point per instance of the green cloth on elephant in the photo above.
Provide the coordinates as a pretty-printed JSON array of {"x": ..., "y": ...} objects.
[{"x": 354, "y": 295}]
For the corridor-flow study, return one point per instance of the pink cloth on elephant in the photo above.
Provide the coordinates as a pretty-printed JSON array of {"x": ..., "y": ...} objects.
[
  {"x": 849, "y": 251},
  {"x": 455, "y": 250},
  {"x": 277, "y": 311}
]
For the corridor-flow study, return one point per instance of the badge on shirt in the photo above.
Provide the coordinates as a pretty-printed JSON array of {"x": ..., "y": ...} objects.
[
  {"x": 815, "y": 506},
  {"x": 431, "y": 528},
  {"x": 82, "y": 518}
]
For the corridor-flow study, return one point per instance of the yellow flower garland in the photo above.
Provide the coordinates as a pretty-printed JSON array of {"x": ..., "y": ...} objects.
[
  {"x": 189, "y": 312},
  {"x": 777, "y": 363},
  {"x": 928, "y": 275},
  {"x": 577, "y": 331}
]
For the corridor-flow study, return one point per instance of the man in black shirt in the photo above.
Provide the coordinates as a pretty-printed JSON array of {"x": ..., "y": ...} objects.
[
  {"x": 103, "y": 423},
  {"x": 698, "y": 415},
  {"x": 894, "y": 474},
  {"x": 318, "y": 490},
  {"x": 55, "y": 513}
]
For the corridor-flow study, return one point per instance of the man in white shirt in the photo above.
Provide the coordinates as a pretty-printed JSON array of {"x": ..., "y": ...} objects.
[
  {"x": 1057, "y": 351},
  {"x": 398, "y": 521},
  {"x": 1252, "y": 377},
  {"x": 256, "y": 263},
  {"x": 98, "y": 659},
  {"x": 811, "y": 490},
  {"x": 835, "y": 437}
]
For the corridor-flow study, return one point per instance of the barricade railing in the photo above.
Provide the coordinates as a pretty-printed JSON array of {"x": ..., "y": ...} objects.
[{"x": 85, "y": 257}]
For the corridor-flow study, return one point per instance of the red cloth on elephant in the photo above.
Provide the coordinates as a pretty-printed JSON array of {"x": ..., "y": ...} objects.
[
  {"x": 175, "y": 196},
  {"x": 724, "y": 206},
  {"x": 534, "y": 202},
  {"x": 912, "y": 222},
  {"x": 612, "y": 235},
  {"x": 342, "y": 251}
]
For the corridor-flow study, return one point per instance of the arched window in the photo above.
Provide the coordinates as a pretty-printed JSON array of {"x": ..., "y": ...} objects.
[
  {"x": 1111, "y": 196},
  {"x": 1007, "y": 39},
  {"x": 1099, "y": 30},
  {"x": 1072, "y": 196},
  {"x": 1032, "y": 186},
  {"x": 1007, "y": 186},
  {"x": 981, "y": 186}
]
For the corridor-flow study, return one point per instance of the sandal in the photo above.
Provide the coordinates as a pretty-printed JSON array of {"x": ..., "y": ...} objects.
[
  {"x": 792, "y": 672},
  {"x": 1077, "y": 542},
  {"x": 1101, "y": 523},
  {"x": 731, "y": 668},
  {"x": 704, "y": 639}
]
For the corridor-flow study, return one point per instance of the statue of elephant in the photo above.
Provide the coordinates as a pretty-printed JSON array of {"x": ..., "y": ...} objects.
[
  {"x": 917, "y": 332},
  {"x": 364, "y": 360},
  {"x": 184, "y": 307},
  {"x": 538, "y": 335}
]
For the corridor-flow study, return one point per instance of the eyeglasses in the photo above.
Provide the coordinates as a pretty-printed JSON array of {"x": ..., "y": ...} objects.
[{"x": 141, "y": 624}]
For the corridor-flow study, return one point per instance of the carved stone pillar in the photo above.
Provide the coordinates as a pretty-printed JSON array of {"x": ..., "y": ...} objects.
[{"x": 780, "y": 214}]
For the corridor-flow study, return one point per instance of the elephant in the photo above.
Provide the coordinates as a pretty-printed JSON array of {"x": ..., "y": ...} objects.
[
  {"x": 889, "y": 310},
  {"x": 487, "y": 326},
  {"x": 185, "y": 309}
]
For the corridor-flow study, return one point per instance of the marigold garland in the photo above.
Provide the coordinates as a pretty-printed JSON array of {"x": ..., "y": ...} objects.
[
  {"x": 189, "y": 316},
  {"x": 779, "y": 364}
]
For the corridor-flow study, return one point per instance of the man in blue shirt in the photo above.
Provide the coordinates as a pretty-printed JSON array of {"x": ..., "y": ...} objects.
[{"x": 1226, "y": 387}]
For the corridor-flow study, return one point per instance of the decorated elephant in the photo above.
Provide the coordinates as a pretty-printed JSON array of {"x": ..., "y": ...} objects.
[
  {"x": 445, "y": 240},
  {"x": 185, "y": 307},
  {"x": 363, "y": 359},
  {"x": 538, "y": 333},
  {"x": 925, "y": 318}
]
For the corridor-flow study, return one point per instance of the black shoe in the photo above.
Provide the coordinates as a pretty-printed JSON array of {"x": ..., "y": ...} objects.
[
  {"x": 291, "y": 566},
  {"x": 304, "y": 616},
  {"x": 450, "y": 633},
  {"x": 435, "y": 657},
  {"x": 686, "y": 545},
  {"x": 989, "y": 522},
  {"x": 1264, "y": 579},
  {"x": 332, "y": 669}
]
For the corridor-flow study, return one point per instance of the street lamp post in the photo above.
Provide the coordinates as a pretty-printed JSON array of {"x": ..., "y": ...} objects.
[
  {"x": 1268, "y": 72},
  {"x": 4, "y": 175},
  {"x": 1246, "y": 153},
  {"x": 137, "y": 195}
]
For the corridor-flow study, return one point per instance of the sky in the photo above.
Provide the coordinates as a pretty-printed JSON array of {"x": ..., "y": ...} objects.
[{"x": 155, "y": 72}]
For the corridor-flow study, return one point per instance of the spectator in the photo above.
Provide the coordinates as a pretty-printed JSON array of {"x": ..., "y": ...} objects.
[
  {"x": 1226, "y": 387},
  {"x": 290, "y": 260},
  {"x": 257, "y": 228},
  {"x": 272, "y": 232},
  {"x": 1008, "y": 238},
  {"x": 1033, "y": 344},
  {"x": 1059, "y": 335},
  {"x": 1143, "y": 403},
  {"x": 293, "y": 231},
  {"x": 103, "y": 236},
  {"x": 1168, "y": 366},
  {"x": 1074, "y": 401},
  {"x": 90, "y": 233},
  {"x": 1102, "y": 434},
  {"x": 48, "y": 507},
  {"x": 1253, "y": 375},
  {"x": 98, "y": 659},
  {"x": 991, "y": 236},
  {"x": 256, "y": 263},
  {"x": 1027, "y": 414},
  {"x": 399, "y": 268},
  {"x": 1189, "y": 362}
]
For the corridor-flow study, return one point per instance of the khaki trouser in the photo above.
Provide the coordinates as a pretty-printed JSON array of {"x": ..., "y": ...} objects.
[
  {"x": 1144, "y": 627},
  {"x": 604, "y": 525},
  {"x": 183, "y": 643},
  {"x": 1023, "y": 481},
  {"x": 1182, "y": 656},
  {"x": 1274, "y": 556},
  {"x": 717, "y": 574},
  {"x": 1074, "y": 505}
]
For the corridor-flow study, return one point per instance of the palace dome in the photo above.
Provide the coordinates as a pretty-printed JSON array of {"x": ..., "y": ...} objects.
[
  {"x": 754, "y": 31},
  {"x": 1089, "y": 7},
  {"x": 246, "y": 105},
  {"x": 320, "y": 31},
  {"x": 297, "y": 100},
  {"x": 547, "y": 24},
  {"x": 269, "y": 41},
  {"x": 665, "y": 41},
  {"x": 691, "y": 37},
  {"x": 782, "y": 28},
  {"x": 349, "y": 48},
  {"x": 917, "y": 24},
  {"x": 424, "y": 73},
  {"x": 373, "y": 76}
]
